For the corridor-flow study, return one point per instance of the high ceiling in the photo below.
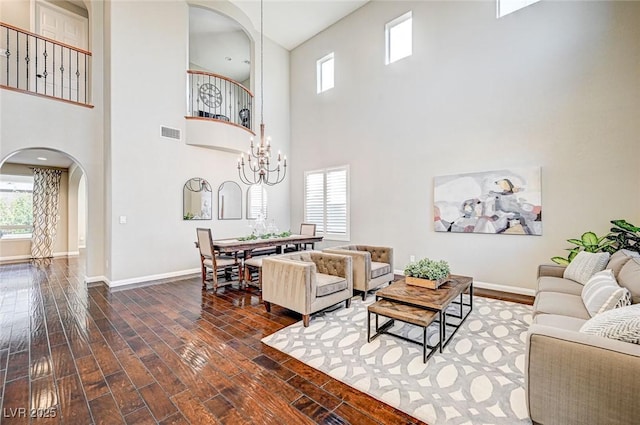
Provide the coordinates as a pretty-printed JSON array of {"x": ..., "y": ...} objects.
[
  {"x": 219, "y": 44},
  {"x": 292, "y": 22}
]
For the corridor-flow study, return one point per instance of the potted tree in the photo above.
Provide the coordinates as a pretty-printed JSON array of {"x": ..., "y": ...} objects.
[{"x": 427, "y": 273}]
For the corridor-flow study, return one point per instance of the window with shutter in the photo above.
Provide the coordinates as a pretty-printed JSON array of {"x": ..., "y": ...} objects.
[
  {"x": 326, "y": 202},
  {"x": 256, "y": 202}
]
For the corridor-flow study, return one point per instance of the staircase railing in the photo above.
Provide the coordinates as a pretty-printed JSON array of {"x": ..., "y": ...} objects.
[
  {"x": 39, "y": 65},
  {"x": 215, "y": 97}
]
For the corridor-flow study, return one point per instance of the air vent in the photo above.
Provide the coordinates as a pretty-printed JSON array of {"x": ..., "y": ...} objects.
[{"x": 170, "y": 133}]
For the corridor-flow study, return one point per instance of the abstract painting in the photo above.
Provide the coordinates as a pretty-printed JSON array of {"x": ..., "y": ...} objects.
[{"x": 503, "y": 201}]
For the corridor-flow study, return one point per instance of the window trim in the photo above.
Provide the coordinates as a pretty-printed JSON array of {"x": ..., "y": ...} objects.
[
  {"x": 319, "y": 73},
  {"x": 387, "y": 36},
  {"x": 523, "y": 4},
  {"x": 331, "y": 236}
]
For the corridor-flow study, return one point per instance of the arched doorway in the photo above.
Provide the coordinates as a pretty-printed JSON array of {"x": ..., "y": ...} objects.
[{"x": 16, "y": 204}]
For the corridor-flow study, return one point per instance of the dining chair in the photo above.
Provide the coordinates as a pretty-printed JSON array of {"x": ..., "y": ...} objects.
[
  {"x": 308, "y": 229},
  {"x": 210, "y": 260}
]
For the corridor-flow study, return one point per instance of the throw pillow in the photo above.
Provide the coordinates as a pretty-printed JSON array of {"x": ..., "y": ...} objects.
[
  {"x": 586, "y": 264},
  {"x": 602, "y": 293},
  {"x": 619, "y": 259},
  {"x": 629, "y": 277},
  {"x": 621, "y": 323}
]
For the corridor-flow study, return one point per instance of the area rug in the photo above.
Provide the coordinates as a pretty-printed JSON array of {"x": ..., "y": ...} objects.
[{"x": 478, "y": 379}]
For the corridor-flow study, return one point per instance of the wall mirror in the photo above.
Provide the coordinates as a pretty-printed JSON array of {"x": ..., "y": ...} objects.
[
  {"x": 229, "y": 201},
  {"x": 196, "y": 200},
  {"x": 256, "y": 202}
]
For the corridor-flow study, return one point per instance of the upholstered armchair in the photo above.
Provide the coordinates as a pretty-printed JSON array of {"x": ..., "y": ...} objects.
[
  {"x": 307, "y": 281},
  {"x": 372, "y": 265}
]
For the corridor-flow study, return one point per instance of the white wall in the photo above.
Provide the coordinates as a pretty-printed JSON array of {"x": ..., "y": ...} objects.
[
  {"x": 147, "y": 171},
  {"x": 554, "y": 85},
  {"x": 29, "y": 121},
  {"x": 82, "y": 213}
]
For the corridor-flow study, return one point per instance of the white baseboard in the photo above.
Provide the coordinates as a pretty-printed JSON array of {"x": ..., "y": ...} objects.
[
  {"x": 505, "y": 288},
  {"x": 495, "y": 287},
  {"x": 28, "y": 256},
  {"x": 94, "y": 279},
  {"x": 66, "y": 254},
  {"x": 140, "y": 279},
  {"x": 16, "y": 258}
]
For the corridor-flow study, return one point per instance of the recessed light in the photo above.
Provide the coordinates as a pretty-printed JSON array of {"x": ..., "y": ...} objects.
[
  {"x": 41, "y": 158},
  {"x": 248, "y": 62},
  {"x": 228, "y": 59}
]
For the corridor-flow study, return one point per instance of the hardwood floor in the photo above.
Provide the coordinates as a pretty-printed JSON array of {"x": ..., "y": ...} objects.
[{"x": 166, "y": 353}]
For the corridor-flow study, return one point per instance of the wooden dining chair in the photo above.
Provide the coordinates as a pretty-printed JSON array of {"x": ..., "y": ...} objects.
[
  {"x": 308, "y": 229},
  {"x": 210, "y": 260}
]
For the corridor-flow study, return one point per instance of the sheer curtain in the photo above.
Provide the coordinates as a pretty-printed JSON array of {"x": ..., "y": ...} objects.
[{"x": 46, "y": 191}]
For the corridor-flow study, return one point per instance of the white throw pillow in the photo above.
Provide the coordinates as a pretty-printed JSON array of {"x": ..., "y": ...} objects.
[
  {"x": 602, "y": 293},
  {"x": 621, "y": 323},
  {"x": 586, "y": 264}
]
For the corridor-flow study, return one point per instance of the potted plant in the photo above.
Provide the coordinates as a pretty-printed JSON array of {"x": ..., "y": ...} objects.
[
  {"x": 427, "y": 273},
  {"x": 588, "y": 242}
]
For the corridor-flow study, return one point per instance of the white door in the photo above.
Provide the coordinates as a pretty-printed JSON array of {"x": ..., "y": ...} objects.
[{"x": 63, "y": 69}]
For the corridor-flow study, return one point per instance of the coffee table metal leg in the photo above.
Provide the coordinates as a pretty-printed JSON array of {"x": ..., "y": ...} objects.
[
  {"x": 369, "y": 325},
  {"x": 424, "y": 345},
  {"x": 442, "y": 328}
]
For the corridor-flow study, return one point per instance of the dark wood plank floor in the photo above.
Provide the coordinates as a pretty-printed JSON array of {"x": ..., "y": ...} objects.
[{"x": 166, "y": 353}]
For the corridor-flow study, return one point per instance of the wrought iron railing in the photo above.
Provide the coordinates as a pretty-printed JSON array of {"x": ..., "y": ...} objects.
[
  {"x": 39, "y": 65},
  {"x": 213, "y": 96}
]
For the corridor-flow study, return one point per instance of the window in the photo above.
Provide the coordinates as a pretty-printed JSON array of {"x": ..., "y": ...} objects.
[
  {"x": 398, "y": 36},
  {"x": 16, "y": 206},
  {"x": 325, "y": 73},
  {"x": 256, "y": 202},
  {"x": 508, "y": 6},
  {"x": 326, "y": 202}
]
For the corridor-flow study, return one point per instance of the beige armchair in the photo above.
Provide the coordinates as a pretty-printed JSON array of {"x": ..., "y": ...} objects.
[
  {"x": 372, "y": 265},
  {"x": 306, "y": 282}
]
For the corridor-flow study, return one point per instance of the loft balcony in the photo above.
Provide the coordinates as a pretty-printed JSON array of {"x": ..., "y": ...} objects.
[
  {"x": 33, "y": 64},
  {"x": 220, "y": 112}
]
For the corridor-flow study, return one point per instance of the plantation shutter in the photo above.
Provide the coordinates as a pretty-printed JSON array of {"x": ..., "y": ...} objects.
[
  {"x": 257, "y": 201},
  {"x": 336, "y": 215},
  {"x": 314, "y": 200},
  {"x": 326, "y": 202}
]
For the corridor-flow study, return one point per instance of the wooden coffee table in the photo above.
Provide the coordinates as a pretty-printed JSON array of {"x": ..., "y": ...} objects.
[{"x": 420, "y": 306}]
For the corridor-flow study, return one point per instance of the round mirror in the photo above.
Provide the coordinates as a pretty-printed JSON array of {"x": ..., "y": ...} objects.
[
  {"x": 229, "y": 201},
  {"x": 196, "y": 200}
]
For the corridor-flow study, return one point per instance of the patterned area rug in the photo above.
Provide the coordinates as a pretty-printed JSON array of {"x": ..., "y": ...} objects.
[{"x": 478, "y": 379}]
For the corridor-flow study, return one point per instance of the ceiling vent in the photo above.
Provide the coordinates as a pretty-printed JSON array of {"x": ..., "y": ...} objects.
[{"x": 170, "y": 133}]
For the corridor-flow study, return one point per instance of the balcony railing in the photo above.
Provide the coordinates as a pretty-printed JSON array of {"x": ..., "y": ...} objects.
[
  {"x": 215, "y": 97},
  {"x": 39, "y": 65}
]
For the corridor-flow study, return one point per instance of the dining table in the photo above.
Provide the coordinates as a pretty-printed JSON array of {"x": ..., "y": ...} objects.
[{"x": 247, "y": 246}]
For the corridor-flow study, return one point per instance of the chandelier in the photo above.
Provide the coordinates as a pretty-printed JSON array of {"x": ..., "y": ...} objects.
[{"x": 258, "y": 168}]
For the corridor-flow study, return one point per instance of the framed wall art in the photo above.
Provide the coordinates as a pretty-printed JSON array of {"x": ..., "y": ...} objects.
[{"x": 503, "y": 201}]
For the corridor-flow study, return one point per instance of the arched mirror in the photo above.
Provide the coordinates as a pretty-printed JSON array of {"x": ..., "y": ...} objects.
[
  {"x": 196, "y": 200},
  {"x": 229, "y": 201},
  {"x": 256, "y": 202}
]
